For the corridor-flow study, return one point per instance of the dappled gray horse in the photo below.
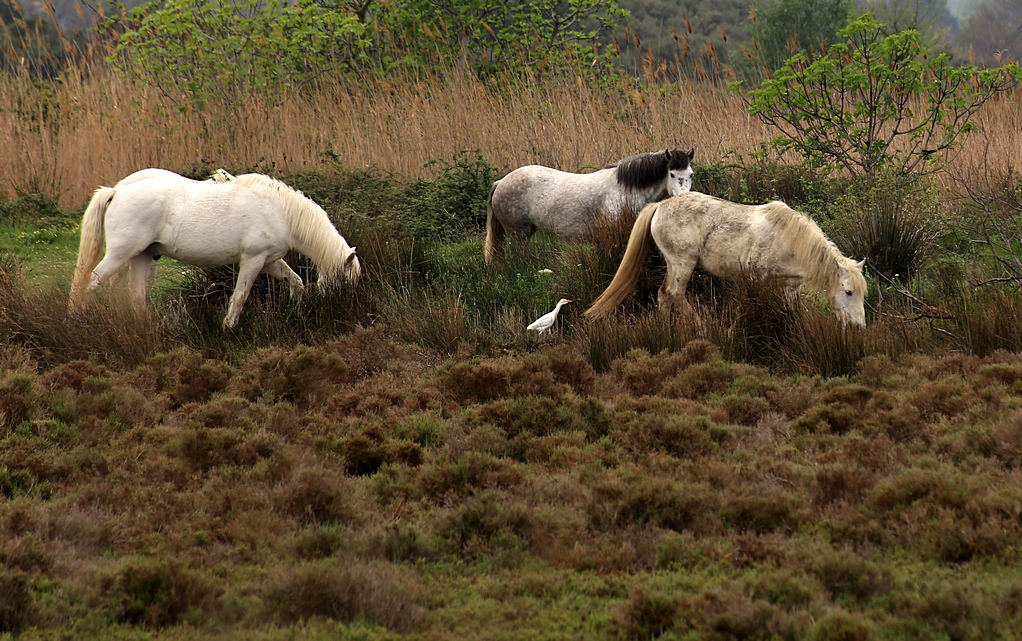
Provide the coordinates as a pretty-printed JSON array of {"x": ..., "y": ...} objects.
[{"x": 567, "y": 206}]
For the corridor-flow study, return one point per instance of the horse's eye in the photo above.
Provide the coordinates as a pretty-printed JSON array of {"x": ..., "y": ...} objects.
[{"x": 848, "y": 292}]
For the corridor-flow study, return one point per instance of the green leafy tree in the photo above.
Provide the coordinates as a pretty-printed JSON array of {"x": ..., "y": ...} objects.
[
  {"x": 875, "y": 103},
  {"x": 200, "y": 50}
]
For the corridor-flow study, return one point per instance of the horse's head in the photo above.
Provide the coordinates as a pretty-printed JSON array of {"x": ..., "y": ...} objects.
[
  {"x": 848, "y": 294},
  {"x": 352, "y": 268},
  {"x": 679, "y": 170}
]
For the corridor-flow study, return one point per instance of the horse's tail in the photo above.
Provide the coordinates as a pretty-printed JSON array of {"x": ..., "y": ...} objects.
[
  {"x": 91, "y": 244},
  {"x": 631, "y": 266},
  {"x": 494, "y": 230}
]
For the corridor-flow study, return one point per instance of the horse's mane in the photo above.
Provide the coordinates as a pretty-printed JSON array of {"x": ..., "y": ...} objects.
[
  {"x": 308, "y": 222},
  {"x": 818, "y": 256},
  {"x": 643, "y": 170}
]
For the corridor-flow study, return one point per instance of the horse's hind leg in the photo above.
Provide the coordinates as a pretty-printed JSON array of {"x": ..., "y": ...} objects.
[
  {"x": 282, "y": 271},
  {"x": 672, "y": 291},
  {"x": 112, "y": 263},
  {"x": 248, "y": 269},
  {"x": 142, "y": 268}
]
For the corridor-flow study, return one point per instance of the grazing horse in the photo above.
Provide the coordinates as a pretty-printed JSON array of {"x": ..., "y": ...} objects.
[
  {"x": 727, "y": 239},
  {"x": 252, "y": 220},
  {"x": 566, "y": 205}
]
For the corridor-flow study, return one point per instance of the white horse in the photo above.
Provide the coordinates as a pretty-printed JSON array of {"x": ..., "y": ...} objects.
[
  {"x": 566, "y": 205},
  {"x": 253, "y": 221},
  {"x": 727, "y": 239}
]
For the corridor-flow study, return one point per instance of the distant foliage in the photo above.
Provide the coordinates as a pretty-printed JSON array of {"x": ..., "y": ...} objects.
[
  {"x": 226, "y": 50},
  {"x": 782, "y": 27},
  {"x": 875, "y": 103}
]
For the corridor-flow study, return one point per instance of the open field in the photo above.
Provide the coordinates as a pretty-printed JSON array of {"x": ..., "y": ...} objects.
[{"x": 401, "y": 459}]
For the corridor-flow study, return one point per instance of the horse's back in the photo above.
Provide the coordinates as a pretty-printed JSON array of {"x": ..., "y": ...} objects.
[
  {"x": 726, "y": 237},
  {"x": 197, "y": 222},
  {"x": 554, "y": 201}
]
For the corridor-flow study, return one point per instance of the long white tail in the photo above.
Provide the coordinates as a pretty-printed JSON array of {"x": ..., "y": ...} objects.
[
  {"x": 627, "y": 275},
  {"x": 494, "y": 230},
  {"x": 90, "y": 247}
]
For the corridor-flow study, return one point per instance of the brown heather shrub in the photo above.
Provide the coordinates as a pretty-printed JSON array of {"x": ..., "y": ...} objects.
[
  {"x": 608, "y": 339},
  {"x": 846, "y": 575},
  {"x": 570, "y": 369},
  {"x": 17, "y": 603},
  {"x": 542, "y": 415},
  {"x": 744, "y": 409},
  {"x": 762, "y": 509},
  {"x": 475, "y": 381},
  {"x": 389, "y": 395},
  {"x": 841, "y": 482},
  {"x": 158, "y": 594},
  {"x": 901, "y": 424},
  {"x": 472, "y": 473},
  {"x": 789, "y": 589},
  {"x": 955, "y": 611},
  {"x": 490, "y": 524},
  {"x": 346, "y": 590},
  {"x": 617, "y": 504},
  {"x": 948, "y": 396},
  {"x": 944, "y": 487},
  {"x": 832, "y": 418},
  {"x": 1006, "y": 435},
  {"x": 838, "y": 625},
  {"x": 73, "y": 374},
  {"x": 367, "y": 447},
  {"x": 399, "y": 543},
  {"x": 318, "y": 542},
  {"x": 116, "y": 403},
  {"x": 365, "y": 351},
  {"x": 28, "y": 553},
  {"x": 185, "y": 375},
  {"x": 306, "y": 376},
  {"x": 728, "y": 613},
  {"x": 684, "y": 436},
  {"x": 1008, "y": 374},
  {"x": 315, "y": 496},
  {"x": 645, "y": 615},
  {"x": 19, "y": 394},
  {"x": 705, "y": 378},
  {"x": 223, "y": 412},
  {"x": 205, "y": 449},
  {"x": 643, "y": 374}
]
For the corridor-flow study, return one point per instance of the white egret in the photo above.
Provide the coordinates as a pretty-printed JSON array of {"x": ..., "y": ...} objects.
[{"x": 546, "y": 321}]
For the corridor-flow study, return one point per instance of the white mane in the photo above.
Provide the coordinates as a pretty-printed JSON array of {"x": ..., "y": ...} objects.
[
  {"x": 309, "y": 224},
  {"x": 818, "y": 256}
]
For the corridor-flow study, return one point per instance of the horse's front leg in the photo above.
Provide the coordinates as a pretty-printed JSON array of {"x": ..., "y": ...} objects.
[
  {"x": 248, "y": 269},
  {"x": 282, "y": 271}
]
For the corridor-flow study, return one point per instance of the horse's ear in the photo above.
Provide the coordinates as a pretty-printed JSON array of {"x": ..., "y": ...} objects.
[
  {"x": 691, "y": 153},
  {"x": 861, "y": 263},
  {"x": 351, "y": 257},
  {"x": 667, "y": 155}
]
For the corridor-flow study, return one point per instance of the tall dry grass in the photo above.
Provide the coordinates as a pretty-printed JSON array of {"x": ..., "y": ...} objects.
[{"x": 68, "y": 138}]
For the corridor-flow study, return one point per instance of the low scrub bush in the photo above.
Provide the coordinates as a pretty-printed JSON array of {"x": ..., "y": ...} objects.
[
  {"x": 345, "y": 590},
  {"x": 17, "y": 602},
  {"x": 159, "y": 594}
]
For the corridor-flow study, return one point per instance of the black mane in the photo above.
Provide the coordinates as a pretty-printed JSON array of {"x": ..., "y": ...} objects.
[{"x": 643, "y": 170}]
